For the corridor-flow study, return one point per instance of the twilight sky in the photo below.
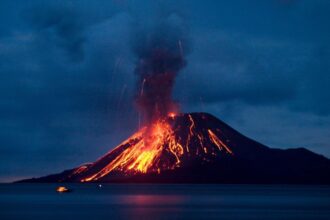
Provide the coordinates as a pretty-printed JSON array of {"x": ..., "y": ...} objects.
[{"x": 67, "y": 77}]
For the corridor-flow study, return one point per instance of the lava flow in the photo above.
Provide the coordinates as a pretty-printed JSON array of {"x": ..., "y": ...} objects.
[
  {"x": 144, "y": 154},
  {"x": 165, "y": 145}
]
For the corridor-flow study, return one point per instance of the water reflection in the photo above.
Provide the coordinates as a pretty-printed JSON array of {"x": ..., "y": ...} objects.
[
  {"x": 153, "y": 199},
  {"x": 145, "y": 206}
]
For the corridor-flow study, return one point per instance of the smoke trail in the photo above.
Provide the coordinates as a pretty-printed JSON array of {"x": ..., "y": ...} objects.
[{"x": 160, "y": 56}]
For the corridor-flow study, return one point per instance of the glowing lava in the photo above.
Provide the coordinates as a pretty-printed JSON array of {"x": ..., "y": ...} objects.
[
  {"x": 144, "y": 156},
  {"x": 164, "y": 145}
]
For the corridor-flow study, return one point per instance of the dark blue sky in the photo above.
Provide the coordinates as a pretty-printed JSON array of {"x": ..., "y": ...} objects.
[{"x": 67, "y": 81}]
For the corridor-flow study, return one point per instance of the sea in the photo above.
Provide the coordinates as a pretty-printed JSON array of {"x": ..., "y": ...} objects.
[{"x": 164, "y": 201}]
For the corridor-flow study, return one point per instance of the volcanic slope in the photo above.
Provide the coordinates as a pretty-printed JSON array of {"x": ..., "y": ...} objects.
[{"x": 198, "y": 148}]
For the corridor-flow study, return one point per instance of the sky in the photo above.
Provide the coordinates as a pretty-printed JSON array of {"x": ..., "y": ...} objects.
[{"x": 67, "y": 81}]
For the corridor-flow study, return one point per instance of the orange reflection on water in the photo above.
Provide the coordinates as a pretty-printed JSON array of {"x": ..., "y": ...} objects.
[{"x": 143, "y": 199}]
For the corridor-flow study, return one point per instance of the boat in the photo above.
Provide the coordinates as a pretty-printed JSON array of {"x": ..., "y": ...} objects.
[{"x": 63, "y": 189}]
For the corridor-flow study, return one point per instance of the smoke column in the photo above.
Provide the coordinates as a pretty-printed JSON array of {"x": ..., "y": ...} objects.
[{"x": 160, "y": 57}]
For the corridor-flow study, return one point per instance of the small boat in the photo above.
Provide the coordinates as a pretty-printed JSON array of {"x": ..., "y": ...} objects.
[{"x": 63, "y": 189}]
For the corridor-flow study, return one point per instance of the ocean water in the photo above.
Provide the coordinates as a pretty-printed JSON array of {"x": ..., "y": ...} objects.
[{"x": 164, "y": 201}]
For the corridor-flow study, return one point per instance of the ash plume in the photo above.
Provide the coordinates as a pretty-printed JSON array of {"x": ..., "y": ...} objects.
[{"x": 160, "y": 57}]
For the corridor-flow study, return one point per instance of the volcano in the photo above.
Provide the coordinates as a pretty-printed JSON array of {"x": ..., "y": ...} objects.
[{"x": 197, "y": 148}]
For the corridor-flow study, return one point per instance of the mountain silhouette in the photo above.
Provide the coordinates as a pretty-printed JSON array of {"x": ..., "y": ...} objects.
[{"x": 198, "y": 148}]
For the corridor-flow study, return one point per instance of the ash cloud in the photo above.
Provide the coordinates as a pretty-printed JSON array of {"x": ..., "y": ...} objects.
[{"x": 161, "y": 54}]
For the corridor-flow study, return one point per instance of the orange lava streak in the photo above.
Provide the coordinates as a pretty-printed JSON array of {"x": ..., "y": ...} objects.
[
  {"x": 80, "y": 169},
  {"x": 218, "y": 142},
  {"x": 192, "y": 125},
  {"x": 176, "y": 149}
]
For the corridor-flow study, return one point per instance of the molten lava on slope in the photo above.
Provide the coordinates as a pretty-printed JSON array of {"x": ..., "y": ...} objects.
[
  {"x": 197, "y": 148},
  {"x": 164, "y": 145}
]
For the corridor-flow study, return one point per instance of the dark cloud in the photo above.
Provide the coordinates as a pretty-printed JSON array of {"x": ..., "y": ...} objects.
[
  {"x": 53, "y": 109},
  {"x": 62, "y": 25},
  {"x": 236, "y": 68}
]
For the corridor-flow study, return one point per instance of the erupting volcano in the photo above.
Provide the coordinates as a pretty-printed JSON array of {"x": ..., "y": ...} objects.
[
  {"x": 175, "y": 147},
  {"x": 197, "y": 148},
  {"x": 175, "y": 142}
]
